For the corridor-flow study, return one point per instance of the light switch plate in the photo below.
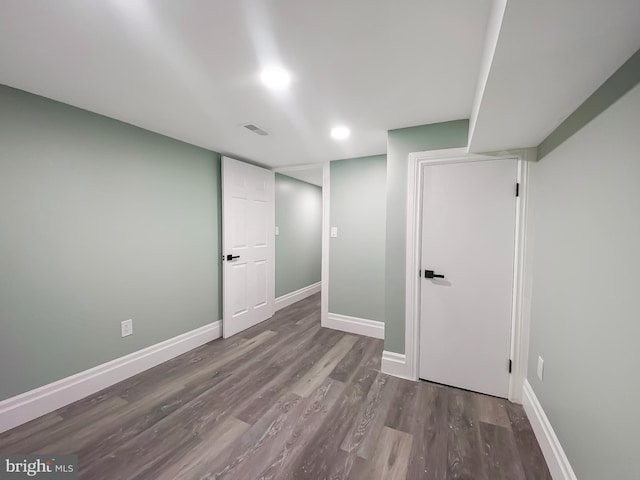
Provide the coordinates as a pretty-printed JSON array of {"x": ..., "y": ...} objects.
[
  {"x": 540, "y": 367},
  {"x": 126, "y": 328},
  {"x": 334, "y": 232},
  {"x": 277, "y": 230}
]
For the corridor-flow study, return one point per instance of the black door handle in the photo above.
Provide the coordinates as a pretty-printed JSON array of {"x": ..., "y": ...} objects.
[
  {"x": 431, "y": 274},
  {"x": 232, "y": 257}
]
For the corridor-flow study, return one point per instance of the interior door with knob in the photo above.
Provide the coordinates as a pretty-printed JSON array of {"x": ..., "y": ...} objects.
[
  {"x": 248, "y": 246},
  {"x": 467, "y": 259}
]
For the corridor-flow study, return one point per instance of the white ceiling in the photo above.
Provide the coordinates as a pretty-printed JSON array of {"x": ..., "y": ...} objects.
[
  {"x": 190, "y": 69},
  {"x": 550, "y": 56}
]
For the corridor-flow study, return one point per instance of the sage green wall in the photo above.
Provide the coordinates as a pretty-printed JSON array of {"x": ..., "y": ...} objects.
[
  {"x": 400, "y": 143},
  {"x": 585, "y": 312},
  {"x": 299, "y": 244},
  {"x": 623, "y": 80},
  {"x": 356, "y": 255},
  {"x": 100, "y": 222}
]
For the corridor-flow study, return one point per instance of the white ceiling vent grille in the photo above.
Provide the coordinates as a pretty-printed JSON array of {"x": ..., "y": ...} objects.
[{"x": 256, "y": 129}]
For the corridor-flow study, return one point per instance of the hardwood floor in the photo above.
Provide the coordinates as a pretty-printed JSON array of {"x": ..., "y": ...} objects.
[{"x": 286, "y": 399}]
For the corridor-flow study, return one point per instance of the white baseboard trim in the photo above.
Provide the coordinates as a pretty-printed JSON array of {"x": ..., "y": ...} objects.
[
  {"x": 557, "y": 461},
  {"x": 395, "y": 364},
  {"x": 293, "y": 297},
  {"x": 27, "y": 406},
  {"x": 360, "y": 326}
]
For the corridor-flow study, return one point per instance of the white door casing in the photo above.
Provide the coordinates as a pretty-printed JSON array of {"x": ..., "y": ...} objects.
[
  {"x": 468, "y": 235},
  {"x": 248, "y": 219},
  {"x": 405, "y": 365}
]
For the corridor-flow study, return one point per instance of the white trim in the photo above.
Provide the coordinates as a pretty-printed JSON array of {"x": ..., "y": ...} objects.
[
  {"x": 326, "y": 209},
  {"x": 395, "y": 364},
  {"x": 413, "y": 236},
  {"x": 414, "y": 213},
  {"x": 557, "y": 460},
  {"x": 361, "y": 326},
  {"x": 22, "y": 408},
  {"x": 520, "y": 323},
  {"x": 297, "y": 295}
]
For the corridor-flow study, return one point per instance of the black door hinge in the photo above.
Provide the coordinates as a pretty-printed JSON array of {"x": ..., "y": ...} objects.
[
  {"x": 510, "y": 365},
  {"x": 517, "y": 189}
]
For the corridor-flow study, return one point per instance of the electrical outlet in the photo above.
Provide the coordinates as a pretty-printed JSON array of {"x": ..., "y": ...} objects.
[
  {"x": 540, "y": 367},
  {"x": 126, "y": 328},
  {"x": 334, "y": 232},
  {"x": 277, "y": 230}
]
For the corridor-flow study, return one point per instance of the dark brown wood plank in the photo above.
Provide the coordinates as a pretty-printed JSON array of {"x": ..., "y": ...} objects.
[
  {"x": 308, "y": 353},
  {"x": 260, "y": 443},
  {"x": 357, "y": 468},
  {"x": 535, "y": 468},
  {"x": 492, "y": 410},
  {"x": 500, "y": 453},
  {"x": 20, "y": 440},
  {"x": 313, "y": 415},
  {"x": 109, "y": 431},
  {"x": 429, "y": 456},
  {"x": 317, "y": 374},
  {"x": 258, "y": 368},
  {"x": 317, "y": 458},
  {"x": 366, "y": 427},
  {"x": 365, "y": 350},
  {"x": 140, "y": 385},
  {"x": 201, "y": 414},
  {"x": 464, "y": 455},
  {"x": 67, "y": 436},
  {"x": 391, "y": 458},
  {"x": 196, "y": 462},
  {"x": 178, "y": 376},
  {"x": 166, "y": 398},
  {"x": 408, "y": 407}
]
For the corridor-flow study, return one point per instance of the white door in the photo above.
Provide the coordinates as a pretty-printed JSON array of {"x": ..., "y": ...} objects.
[
  {"x": 248, "y": 219},
  {"x": 468, "y": 236}
]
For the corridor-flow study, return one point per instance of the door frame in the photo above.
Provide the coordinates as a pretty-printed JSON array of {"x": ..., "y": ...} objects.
[
  {"x": 519, "y": 317},
  {"x": 326, "y": 241},
  {"x": 326, "y": 210}
]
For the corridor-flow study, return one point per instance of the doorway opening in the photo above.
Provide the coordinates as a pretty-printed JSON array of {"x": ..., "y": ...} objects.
[{"x": 302, "y": 206}]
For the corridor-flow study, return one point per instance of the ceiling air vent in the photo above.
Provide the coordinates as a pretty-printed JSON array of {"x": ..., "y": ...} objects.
[{"x": 255, "y": 129}]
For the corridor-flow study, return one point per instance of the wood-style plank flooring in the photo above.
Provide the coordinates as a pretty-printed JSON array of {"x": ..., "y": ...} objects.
[{"x": 286, "y": 399}]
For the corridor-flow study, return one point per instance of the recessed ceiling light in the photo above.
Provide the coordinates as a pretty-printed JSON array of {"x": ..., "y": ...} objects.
[
  {"x": 276, "y": 78},
  {"x": 340, "y": 133}
]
